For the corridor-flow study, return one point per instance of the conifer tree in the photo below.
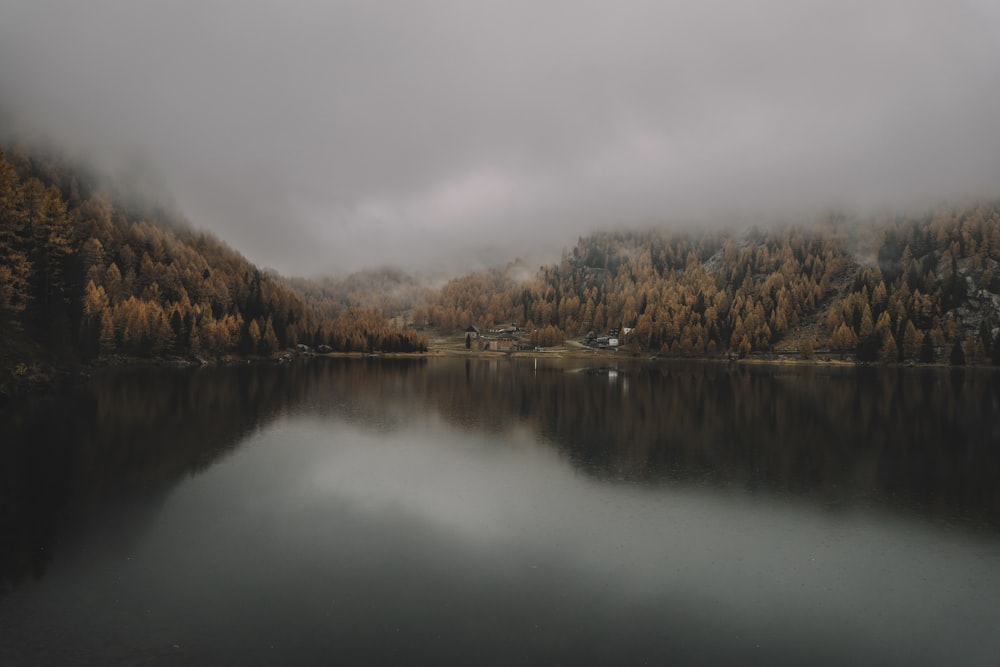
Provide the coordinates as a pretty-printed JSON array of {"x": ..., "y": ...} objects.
[
  {"x": 927, "y": 348},
  {"x": 957, "y": 356}
]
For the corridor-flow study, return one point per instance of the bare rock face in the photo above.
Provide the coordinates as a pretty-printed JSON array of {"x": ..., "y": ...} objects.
[
  {"x": 981, "y": 303},
  {"x": 981, "y": 306}
]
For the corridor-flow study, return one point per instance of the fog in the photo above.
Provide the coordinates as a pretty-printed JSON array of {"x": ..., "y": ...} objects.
[{"x": 323, "y": 137}]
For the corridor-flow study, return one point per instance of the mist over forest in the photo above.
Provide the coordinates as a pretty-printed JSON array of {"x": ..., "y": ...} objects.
[
  {"x": 505, "y": 331},
  {"x": 714, "y": 179},
  {"x": 86, "y": 276},
  {"x": 321, "y": 139}
]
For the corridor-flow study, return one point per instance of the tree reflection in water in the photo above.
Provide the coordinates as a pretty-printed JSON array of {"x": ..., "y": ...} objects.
[{"x": 921, "y": 441}]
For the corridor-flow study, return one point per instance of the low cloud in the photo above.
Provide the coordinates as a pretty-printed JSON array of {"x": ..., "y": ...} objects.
[{"x": 323, "y": 137}]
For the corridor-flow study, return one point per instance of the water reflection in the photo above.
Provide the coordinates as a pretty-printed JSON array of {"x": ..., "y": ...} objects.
[
  {"x": 121, "y": 443},
  {"x": 637, "y": 570},
  {"x": 382, "y": 511},
  {"x": 919, "y": 440}
]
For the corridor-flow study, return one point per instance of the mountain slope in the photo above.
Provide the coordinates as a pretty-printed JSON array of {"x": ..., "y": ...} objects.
[
  {"x": 83, "y": 275},
  {"x": 890, "y": 289}
]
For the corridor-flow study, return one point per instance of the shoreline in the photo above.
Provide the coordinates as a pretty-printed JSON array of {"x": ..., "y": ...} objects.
[{"x": 39, "y": 377}]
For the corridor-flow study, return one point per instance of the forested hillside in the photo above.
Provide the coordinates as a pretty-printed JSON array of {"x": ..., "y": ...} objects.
[
  {"x": 83, "y": 275},
  {"x": 908, "y": 288}
]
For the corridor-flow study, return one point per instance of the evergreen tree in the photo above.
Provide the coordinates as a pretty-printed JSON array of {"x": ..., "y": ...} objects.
[
  {"x": 927, "y": 349},
  {"x": 957, "y": 356},
  {"x": 15, "y": 267}
]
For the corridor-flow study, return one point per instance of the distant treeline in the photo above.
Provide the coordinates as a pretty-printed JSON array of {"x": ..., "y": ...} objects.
[
  {"x": 85, "y": 276},
  {"x": 927, "y": 290}
]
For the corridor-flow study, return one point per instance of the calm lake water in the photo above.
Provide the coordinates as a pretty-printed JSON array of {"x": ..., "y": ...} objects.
[{"x": 445, "y": 512}]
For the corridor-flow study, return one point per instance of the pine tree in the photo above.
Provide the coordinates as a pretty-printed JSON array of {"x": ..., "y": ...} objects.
[
  {"x": 911, "y": 341},
  {"x": 52, "y": 246},
  {"x": 927, "y": 348},
  {"x": 268, "y": 343},
  {"x": 957, "y": 356},
  {"x": 15, "y": 266},
  {"x": 106, "y": 341}
]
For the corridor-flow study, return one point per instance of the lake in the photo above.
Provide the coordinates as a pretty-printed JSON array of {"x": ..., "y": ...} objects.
[{"x": 503, "y": 512}]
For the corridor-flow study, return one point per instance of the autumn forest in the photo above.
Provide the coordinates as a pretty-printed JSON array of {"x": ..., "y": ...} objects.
[
  {"x": 922, "y": 288},
  {"x": 85, "y": 274},
  {"x": 86, "y": 277}
]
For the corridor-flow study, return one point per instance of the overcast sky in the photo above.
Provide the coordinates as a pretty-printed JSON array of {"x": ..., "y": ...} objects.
[{"x": 325, "y": 136}]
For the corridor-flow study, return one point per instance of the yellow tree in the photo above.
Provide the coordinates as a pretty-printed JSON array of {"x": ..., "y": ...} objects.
[
  {"x": 912, "y": 340},
  {"x": 888, "y": 352},
  {"x": 106, "y": 340},
  {"x": 843, "y": 338},
  {"x": 255, "y": 334},
  {"x": 268, "y": 340}
]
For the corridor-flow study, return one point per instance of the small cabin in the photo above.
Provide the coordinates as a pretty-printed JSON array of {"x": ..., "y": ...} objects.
[{"x": 502, "y": 344}]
